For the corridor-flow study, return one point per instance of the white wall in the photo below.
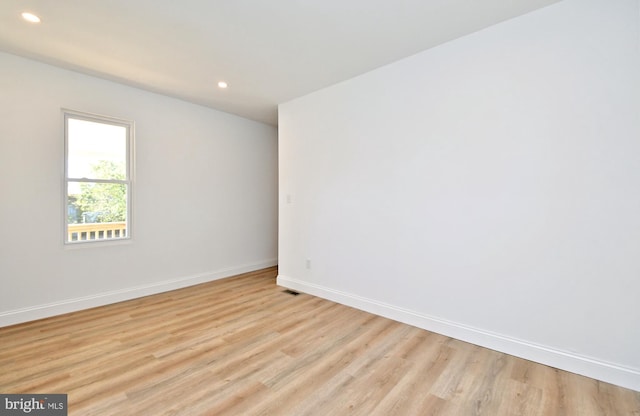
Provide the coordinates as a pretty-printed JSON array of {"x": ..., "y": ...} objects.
[
  {"x": 487, "y": 189},
  {"x": 205, "y": 194}
]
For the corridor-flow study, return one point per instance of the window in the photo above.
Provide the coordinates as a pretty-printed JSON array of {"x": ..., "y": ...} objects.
[{"x": 97, "y": 178}]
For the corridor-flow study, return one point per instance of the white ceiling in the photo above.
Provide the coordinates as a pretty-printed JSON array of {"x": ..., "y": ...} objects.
[{"x": 269, "y": 51}]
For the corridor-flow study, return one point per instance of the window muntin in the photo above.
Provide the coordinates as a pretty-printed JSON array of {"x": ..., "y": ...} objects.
[{"x": 97, "y": 178}]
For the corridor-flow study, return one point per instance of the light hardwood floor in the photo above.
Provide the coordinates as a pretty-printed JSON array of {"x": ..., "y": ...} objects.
[{"x": 241, "y": 346}]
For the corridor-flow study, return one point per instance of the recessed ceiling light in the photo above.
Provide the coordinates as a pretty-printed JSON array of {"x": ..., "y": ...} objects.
[
  {"x": 30, "y": 17},
  {"x": 222, "y": 84}
]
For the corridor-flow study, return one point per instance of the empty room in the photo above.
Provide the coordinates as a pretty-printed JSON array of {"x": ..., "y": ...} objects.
[{"x": 416, "y": 207}]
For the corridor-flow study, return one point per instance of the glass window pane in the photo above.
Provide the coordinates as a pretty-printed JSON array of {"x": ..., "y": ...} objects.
[
  {"x": 96, "y": 150},
  {"x": 96, "y": 211}
]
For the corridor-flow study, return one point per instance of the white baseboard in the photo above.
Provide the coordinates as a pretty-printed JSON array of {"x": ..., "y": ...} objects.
[
  {"x": 575, "y": 363},
  {"x": 32, "y": 313}
]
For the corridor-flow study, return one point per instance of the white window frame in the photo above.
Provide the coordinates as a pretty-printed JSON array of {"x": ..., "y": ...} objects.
[{"x": 128, "y": 181}]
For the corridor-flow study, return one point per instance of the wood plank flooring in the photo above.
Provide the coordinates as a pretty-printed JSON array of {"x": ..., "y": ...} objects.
[{"x": 241, "y": 346}]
